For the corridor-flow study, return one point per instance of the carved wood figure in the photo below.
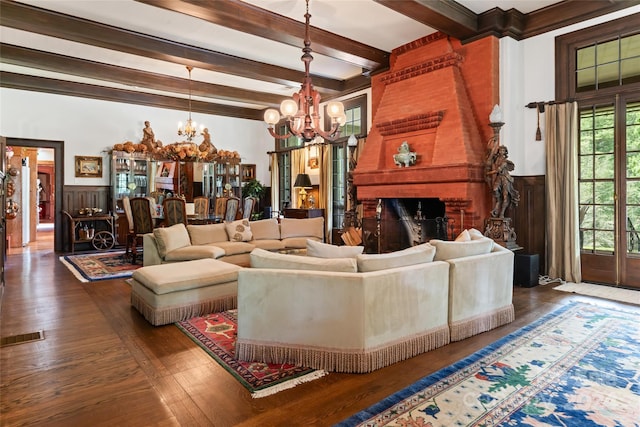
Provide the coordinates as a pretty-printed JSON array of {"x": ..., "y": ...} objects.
[{"x": 500, "y": 180}]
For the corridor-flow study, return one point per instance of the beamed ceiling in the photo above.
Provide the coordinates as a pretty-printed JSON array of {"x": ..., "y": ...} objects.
[{"x": 245, "y": 54}]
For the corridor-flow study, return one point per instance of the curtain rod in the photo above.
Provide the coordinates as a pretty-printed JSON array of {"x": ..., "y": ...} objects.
[
  {"x": 542, "y": 103},
  {"x": 314, "y": 144}
]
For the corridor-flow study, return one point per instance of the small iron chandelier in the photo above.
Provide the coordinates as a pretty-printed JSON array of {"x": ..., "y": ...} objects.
[
  {"x": 302, "y": 111},
  {"x": 189, "y": 128}
]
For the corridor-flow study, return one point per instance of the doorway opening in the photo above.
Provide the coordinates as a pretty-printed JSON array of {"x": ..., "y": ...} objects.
[{"x": 48, "y": 230}]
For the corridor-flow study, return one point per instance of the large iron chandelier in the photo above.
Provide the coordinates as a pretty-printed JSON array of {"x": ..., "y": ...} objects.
[
  {"x": 189, "y": 128},
  {"x": 302, "y": 111}
]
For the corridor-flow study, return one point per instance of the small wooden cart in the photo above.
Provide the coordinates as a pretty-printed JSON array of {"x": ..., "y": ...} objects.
[{"x": 101, "y": 240}]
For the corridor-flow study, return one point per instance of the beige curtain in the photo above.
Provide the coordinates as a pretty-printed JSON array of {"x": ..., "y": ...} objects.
[
  {"x": 356, "y": 155},
  {"x": 562, "y": 232},
  {"x": 297, "y": 166},
  {"x": 325, "y": 189},
  {"x": 275, "y": 183}
]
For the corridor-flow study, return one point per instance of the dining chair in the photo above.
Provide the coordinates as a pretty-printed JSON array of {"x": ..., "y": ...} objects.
[
  {"x": 143, "y": 222},
  {"x": 201, "y": 206},
  {"x": 231, "y": 210},
  {"x": 248, "y": 206},
  {"x": 175, "y": 211},
  {"x": 221, "y": 207}
]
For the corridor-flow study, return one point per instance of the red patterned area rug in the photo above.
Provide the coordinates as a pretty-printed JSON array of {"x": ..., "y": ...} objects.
[
  {"x": 100, "y": 266},
  {"x": 216, "y": 334}
]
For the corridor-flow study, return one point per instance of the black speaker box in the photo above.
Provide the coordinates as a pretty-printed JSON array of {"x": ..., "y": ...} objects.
[{"x": 525, "y": 270}]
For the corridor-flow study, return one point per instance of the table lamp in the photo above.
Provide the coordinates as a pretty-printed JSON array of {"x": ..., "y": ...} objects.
[{"x": 303, "y": 181}]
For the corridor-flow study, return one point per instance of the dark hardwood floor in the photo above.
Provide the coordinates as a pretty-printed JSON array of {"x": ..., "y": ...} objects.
[{"x": 102, "y": 364}]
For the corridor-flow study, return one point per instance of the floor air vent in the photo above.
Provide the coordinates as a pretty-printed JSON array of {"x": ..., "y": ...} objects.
[{"x": 22, "y": 338}]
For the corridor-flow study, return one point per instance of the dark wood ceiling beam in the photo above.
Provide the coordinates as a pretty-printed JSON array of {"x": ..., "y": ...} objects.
[
  {"x": 455, "y": 20},
  {"x": 570, "y": 12},
  {"x": 33, "y": 19},
  {"x": 83, "y": 90},
  {"x": 259, "y": 22},
  {"x": 26, "y": 57},
  {"x": 446, "y": 16}
]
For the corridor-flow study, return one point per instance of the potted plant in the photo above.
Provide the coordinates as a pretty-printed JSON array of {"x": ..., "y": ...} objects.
[{"x": 253, "y": 188}]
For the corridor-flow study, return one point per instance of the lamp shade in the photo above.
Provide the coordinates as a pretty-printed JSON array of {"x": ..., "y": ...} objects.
[{"x": 303, "y": 180}]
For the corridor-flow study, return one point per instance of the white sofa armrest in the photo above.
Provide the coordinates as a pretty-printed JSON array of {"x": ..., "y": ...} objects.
[
  {"x": 481, "y": 286},
  {"x": 150, "y": 254}
]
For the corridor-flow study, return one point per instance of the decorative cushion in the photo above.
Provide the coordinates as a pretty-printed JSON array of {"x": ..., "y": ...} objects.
[
  {"x": 475, "y": 234},
  {"x": 170, "y": 238},
  {"x": 463, "y": 237},
  {"x": 204, "y": 234},
  {"x": 324, "y": 250},
  {"x": 192, "y": 252},
  {"x": 306, "y": 227},
  {"x": 265, "y": 259},
  {"x": 450, "y": 250},
  {"x": 265, "y": 229},
  {"x": 267, "y": 244},
  {"x": 239, "y": 231},
  {"x": 414, "y": 255},
  {"x": 234, "y": 248}
]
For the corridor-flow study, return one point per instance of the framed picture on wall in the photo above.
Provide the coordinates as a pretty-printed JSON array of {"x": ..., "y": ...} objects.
[
  {"x": 248, "y": 172},
  {"x": 88, "y": 167}
]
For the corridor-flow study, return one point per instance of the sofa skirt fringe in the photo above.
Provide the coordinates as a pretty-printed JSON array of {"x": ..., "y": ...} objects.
[
  {"x": 164, "y": 316},
  {"x": 335, "y": 360},
  {"x": 482, "y": 323}
]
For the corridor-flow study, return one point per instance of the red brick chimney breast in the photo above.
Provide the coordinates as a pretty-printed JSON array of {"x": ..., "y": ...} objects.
[{"x": 437, "y": 96}]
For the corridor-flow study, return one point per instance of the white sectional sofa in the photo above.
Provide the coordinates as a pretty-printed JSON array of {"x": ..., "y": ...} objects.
[
  {"x": 229, "y": 242},
  {"x": 342, "y": 314},
  {"x": 335, "y": 308},
  {"x": 361, "y": 314}
]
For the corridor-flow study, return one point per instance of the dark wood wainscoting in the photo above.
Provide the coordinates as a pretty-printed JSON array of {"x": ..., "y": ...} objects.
[
  {"x": 529, "y": 216},
  {"x": 76, "y": 197}
]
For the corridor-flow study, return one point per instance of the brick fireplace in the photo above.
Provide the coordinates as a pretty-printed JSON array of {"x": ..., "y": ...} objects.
[{"x": 437, "y": 96}]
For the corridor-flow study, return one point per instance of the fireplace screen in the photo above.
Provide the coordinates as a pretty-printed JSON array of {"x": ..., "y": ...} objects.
[{"x": 403, "y": 223}]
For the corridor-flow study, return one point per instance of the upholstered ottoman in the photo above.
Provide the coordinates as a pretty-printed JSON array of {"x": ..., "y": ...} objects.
[{"x": 167, "y": 293}]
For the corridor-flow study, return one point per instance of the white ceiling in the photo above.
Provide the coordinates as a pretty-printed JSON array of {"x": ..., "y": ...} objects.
[{"x": 364, "y": 21}]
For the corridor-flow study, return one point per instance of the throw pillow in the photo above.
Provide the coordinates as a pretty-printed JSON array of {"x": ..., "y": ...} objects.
[
  {"x": 325, "y": 250},
  {"x": 414, "y": 255},
  {"x": 475, "y": 234},
  {"x": 265, "y": 259},
  {"x": 302, "y": 227},
  {"x": 203, "y": 234},
  {"x": 450, "y": 250},
  {"x": 170, "y": 238},
  {"x": 238, "y": 231},
  {"x": 463, "y": 237},
  {"x": 265, "y": 229}
]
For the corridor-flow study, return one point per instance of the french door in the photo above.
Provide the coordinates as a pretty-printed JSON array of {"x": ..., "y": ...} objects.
[{"x": 609, "y": 186}]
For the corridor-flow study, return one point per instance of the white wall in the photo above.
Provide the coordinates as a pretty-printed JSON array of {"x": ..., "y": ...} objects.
[
  {"x": 91, "y": 127},
  {"x": 527, "y": 74}
]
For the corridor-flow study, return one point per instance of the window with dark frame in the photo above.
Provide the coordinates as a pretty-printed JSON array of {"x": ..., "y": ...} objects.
[
  {"x": 599, "y": 68},
  {"x": 356, "y": 112}
]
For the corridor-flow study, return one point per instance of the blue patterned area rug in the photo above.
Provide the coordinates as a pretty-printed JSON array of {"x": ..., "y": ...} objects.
[
  {"x": 100, "y": 266},
  {"x": 577, "y": 366}
]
